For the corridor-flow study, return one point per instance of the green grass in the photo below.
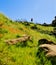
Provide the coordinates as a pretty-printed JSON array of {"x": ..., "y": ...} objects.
[{"x": 19, "y": 54}]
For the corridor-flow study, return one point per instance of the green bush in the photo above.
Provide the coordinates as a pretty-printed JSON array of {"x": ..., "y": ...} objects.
[
  {"x": 17, "y": 36},
  {"x": 34, "y": 27}
]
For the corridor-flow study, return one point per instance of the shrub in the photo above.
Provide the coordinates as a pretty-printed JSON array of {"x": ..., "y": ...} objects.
[
  {"x": 42, "y": 41},
  {"x": 44, "y": 24},
  {"x": 17, "y": 36},
  {"x": 10, "y": 20},
  {"x": 26, "y": 23},
  {"x": 34, "y": 27}
]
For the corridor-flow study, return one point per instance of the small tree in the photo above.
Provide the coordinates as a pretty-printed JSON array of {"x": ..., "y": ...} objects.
[
  {"x": 54, "y": 22},
  {"x": 31, "y": 19},
  {"x": 44, "y": 24}
]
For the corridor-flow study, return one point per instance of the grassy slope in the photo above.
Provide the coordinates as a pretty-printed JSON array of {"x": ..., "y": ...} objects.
[{"x": 15, "y": 54}]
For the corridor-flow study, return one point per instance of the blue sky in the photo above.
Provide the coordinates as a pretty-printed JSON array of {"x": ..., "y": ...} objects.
[{"x": 40, "y": 10}]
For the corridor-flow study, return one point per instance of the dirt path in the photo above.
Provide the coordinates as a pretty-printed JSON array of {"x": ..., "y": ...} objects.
[
  {"x": 50, "y": 48},
  {"x": 14, "y": 41}
]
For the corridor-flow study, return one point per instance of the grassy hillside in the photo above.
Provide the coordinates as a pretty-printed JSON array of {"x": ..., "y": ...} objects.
[{"x": 19, "y": 54}]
